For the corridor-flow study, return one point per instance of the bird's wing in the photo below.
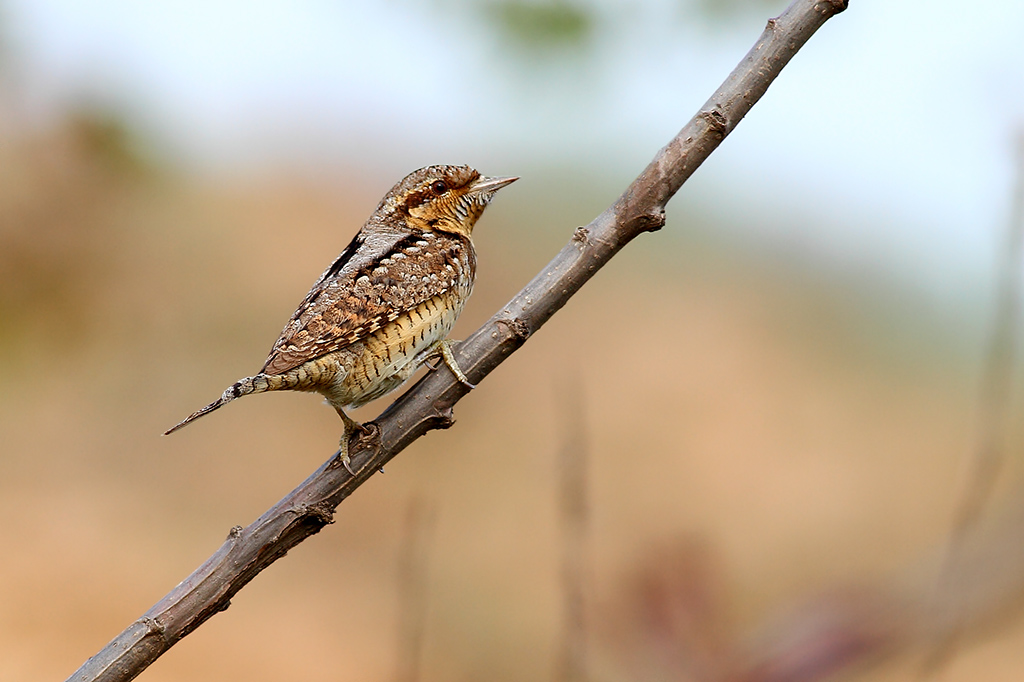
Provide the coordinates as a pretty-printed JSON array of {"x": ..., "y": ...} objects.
[{"x": 378, "y": 277}]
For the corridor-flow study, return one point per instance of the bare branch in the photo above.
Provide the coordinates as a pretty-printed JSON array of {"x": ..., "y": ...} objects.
[
  {"x": 428, "y": 404},
  {"x": 412, "y": 589},
  {"x": 989, "y": 452},
  {"x": 574, "y": 518}
]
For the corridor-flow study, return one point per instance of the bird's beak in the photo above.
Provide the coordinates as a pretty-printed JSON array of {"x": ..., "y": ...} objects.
[{"x": 487, "y": 185}]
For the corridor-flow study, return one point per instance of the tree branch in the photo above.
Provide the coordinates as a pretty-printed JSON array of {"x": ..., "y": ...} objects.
[
  {"x": 574, "y": 519},
  {"x": 428, "y": 404},
  {"x": 989, "y": 451},
  {"x": 412, "y": 589}
]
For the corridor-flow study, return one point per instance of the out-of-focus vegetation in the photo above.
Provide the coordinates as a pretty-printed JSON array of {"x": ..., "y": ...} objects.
[
  {"x": 534, "y": 25},
  {"x": 729, "y": 10},
  {"x": 59, "y": 192},
  {"x": 543, "y": 32},
  {"x": 570, "y": 25}
]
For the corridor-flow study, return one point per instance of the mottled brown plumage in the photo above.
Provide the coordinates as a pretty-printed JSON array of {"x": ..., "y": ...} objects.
[{"x": 387, "y": 303}]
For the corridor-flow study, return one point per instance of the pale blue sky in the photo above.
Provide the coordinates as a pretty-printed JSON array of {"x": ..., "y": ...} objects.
[{"x": 894, "y": 122}]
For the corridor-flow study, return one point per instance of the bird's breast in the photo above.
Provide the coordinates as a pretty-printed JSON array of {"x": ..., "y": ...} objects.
[{"x": 391, "y": 354}]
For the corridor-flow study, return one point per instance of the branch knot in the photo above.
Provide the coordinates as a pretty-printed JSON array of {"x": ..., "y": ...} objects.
[
  {"x": 580, "y": 236},
  {"x": 443, "y": 417},
  {"x": 716, "y": 121},
  {"x": 319, "y": 513},
  {"x": 653, "y": 220},
  {"x": 517, "y": 329}
]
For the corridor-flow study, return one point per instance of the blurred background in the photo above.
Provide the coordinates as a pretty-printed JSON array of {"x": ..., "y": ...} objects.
[{"x": 771, "y": 484}]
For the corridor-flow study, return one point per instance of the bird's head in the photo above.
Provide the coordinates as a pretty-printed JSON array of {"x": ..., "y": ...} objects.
[{"x": 443, "y": 198}]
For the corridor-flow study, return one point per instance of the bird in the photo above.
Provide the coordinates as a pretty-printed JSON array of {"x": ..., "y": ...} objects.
[{"x": 387, "y": 304}]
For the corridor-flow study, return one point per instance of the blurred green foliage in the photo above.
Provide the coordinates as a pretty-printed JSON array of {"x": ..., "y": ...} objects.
[
  {"x": 563, "y": 28},
  {"x": 543, "y": 25},
  {"x": 727, "y": 11},
  {"x": 109, "y": 138}
]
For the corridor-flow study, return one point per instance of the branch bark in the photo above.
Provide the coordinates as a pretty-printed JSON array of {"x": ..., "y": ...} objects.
[{"x": 428, "y": 405}]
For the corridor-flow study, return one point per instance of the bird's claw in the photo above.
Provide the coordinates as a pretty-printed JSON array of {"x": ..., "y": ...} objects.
[{"x": 444, "y": 348}]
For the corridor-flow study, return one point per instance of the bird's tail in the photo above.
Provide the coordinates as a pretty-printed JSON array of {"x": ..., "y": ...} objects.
[{"x": 257, "y": 384}]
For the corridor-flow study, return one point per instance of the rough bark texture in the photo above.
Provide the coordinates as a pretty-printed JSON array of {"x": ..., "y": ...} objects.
[{"x": 428, "y": 405}]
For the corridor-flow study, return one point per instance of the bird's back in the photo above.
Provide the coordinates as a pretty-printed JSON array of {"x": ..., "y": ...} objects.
[{"x": 375, "y": 282}]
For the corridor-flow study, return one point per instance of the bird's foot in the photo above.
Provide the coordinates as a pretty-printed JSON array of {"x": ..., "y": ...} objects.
[
  {"x": 351, "y": 426},
  {"x": 342, "y": 454},
  {"x": 366, "y": 432},
  {"x": 444, "y": 350}
]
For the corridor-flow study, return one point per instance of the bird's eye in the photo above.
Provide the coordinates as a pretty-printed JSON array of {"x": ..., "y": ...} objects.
[{"x": 439, "y": 187}]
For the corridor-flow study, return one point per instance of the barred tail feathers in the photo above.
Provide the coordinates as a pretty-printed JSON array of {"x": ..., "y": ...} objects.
[{"x": 257, "y": 384}]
